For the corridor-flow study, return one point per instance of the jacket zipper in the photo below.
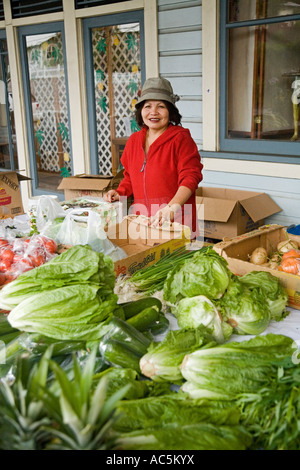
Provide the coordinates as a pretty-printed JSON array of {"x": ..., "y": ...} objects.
[{"x": 143, "y": 170}]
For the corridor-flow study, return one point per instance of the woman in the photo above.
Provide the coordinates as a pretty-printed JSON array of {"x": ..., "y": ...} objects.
[{"x": 162, "y": 167}]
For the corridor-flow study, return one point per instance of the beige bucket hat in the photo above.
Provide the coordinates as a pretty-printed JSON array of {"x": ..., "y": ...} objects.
[{"x": 158, "y": 89}]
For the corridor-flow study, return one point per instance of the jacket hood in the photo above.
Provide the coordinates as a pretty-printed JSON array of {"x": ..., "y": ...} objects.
[{"x": 169, "y": 134}]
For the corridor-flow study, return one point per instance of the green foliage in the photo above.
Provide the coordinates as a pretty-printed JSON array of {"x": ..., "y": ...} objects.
[
  {"x": 103, "y": 104},
  {"x": 101, "y": 45},
  {"x": 131, "y": 41},
  {"x": 63, "y": 131}
]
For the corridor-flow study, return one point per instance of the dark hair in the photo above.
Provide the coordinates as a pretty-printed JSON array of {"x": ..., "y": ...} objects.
[{"x": 174, "y": 115}]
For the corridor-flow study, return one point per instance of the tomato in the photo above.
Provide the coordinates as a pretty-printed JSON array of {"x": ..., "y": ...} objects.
[
  {"x": 23, "y": 265},
  {"x": 10, "y": 277},
  {"x": 37, "y": 259},
  {"x": 50, "y": 246},
  {"x": 17, "y": 258},
  {"x": 3, "y": 242},
  {"x": 5, "y": 265},
  {"x": 7, "y": 254}
]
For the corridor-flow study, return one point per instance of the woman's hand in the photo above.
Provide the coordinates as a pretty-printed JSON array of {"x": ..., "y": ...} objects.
[
  {"x": 167, "y": 213},
  {"x": 111, "y": 196}
]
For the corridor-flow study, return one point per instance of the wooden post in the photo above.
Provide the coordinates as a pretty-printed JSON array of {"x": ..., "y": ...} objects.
[{"x": 61, "y": 161}]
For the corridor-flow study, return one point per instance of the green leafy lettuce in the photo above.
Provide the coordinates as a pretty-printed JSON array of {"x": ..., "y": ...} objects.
[
  {"x": 246, "y": 310},
  {"x": 271, "y": 288},
  {"x": 162, "y": 360},
  {"x": 75, "y": 313},
  {"x": 194, "y": 311},
  {"x": 79, "y": 264},
  {"x": 226, "y": 371},
  {"x": 199, "y": 436},
  {"x": 206, "y": 273},
  {"x": 68, "y": 298}
]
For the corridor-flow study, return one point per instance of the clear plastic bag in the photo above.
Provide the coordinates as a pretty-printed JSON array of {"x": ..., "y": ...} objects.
[
  {"x": 77, "y": 229},
  {"x": 46, "y": 212}
]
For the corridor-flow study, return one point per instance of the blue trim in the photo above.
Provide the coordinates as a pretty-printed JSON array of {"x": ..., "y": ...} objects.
[
  {"x": 264, "y": 149},
  {"x": 24, "y": 31},
  {"x": 9, "y": 127},
  {"x": 88, "y": 25}
]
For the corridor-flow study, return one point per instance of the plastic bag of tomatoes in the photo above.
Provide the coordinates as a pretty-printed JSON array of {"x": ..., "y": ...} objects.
[{"x": 18, "y": 255}]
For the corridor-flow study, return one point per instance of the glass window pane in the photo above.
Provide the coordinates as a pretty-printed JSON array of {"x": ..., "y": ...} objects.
[
  {"x": 49, "y": 108},
  {"x": 117, "y": 82},
  {"x": 245, "y": 10},
  {"x": 264, "y": 82},
  {"x": 8, "y": 148}
]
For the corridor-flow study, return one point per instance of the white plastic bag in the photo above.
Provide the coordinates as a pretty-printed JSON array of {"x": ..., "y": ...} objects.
[
  {"x": 77, "y": 229},
  {"x": 47, "y": 210}
]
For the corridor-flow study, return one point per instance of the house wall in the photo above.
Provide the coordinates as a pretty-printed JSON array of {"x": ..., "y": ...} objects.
[
  {"x": 181, "y": 41},
  {"x": 188, "y": 57}
]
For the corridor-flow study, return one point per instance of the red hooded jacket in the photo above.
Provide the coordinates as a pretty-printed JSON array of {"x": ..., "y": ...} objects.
[{"x": 172, "y": 160}]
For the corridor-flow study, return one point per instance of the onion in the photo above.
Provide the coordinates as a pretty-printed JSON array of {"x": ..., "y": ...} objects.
[
  {"x": 259, "y": 256},
  {"x": 287, "y": 245}
]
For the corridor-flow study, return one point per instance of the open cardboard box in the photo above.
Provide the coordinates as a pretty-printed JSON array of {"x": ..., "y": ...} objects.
[
  {"x": 89, "y": 185},
  {"x": 237, "y": 250},
  {"x": 10, "y": 194},
  {"x": 230, "y": 212},
  {"x": 144, "y": 245}
]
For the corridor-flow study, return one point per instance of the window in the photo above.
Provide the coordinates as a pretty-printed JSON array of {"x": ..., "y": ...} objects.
[
  {"x": 114, "y": 73},
  {"x": 8, "y": 147},
  {"x": 47, "y": 111},
  {"x": 260, "y": 95}
]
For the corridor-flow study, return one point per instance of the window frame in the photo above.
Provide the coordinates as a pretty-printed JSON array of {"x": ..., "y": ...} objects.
[
  {"x": 276, "y": 150},
  {"x": 23, "y": 31},
  {"x": 88, "y": 25}
]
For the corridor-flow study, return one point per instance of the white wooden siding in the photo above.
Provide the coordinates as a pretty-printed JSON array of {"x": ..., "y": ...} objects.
[
  {"x": 180, "y": 58},
  {"x": 284, "y": 191}
]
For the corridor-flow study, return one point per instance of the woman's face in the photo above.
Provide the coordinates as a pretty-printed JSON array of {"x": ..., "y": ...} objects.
[{"x": 155, "y": 115}]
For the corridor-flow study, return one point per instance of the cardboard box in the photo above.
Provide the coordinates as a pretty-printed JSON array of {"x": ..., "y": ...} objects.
[
  {"x": 89, "y": 185},
  {"x": 10, "y": 195},
  {"x": 230, "y": 212},
  {"x": 237, "y": 251},
  {"x": 144, "y": 245}
]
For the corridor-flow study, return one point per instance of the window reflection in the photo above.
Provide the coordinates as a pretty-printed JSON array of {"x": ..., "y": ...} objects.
[{"x": 264, "y": 81}]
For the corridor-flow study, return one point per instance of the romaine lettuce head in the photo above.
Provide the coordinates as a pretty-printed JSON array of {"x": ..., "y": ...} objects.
[
  {"x": 162, "y": 361},
  {"x": 228, "y": 370},
  {"x": 271, "y": 287},
  {"x": 247, "y": 311},
  {"x": 72, "y": 313},
  {"x": 205, "y": 273},
  {"x": 194, "y": 311}
]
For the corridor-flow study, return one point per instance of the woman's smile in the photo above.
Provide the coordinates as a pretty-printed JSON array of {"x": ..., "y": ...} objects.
[{"x": 155, "y": 115}]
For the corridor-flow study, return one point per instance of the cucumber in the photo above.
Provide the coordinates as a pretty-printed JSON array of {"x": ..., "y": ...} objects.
[
  {"x": 117, "y": 354},
  {"x": 136, "y": 306},
  {"x": 128, "y": 335},
  {"x": 160, "y": 325},
  {"x": 146, "y": 317}
]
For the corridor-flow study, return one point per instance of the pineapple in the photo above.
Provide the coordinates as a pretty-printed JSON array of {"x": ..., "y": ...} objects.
[
  {"x": 21, "y": 411},
  {"x": 81, "y": 412}
]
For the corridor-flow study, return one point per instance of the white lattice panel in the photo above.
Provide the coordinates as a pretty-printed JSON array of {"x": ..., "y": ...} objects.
[
  {"x": 123, "y": 59},
  {"x": 48, "y": 89}
]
